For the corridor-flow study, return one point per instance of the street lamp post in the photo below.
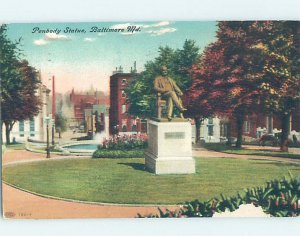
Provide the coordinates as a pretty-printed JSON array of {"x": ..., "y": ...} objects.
[
  {"x": 47, "y": 119},
  {"x": 53, "y": 131}
]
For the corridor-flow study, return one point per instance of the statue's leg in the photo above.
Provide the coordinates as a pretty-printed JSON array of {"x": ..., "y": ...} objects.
[
  {"x": 177, "y": 101},
  {"x": 170, "y": 107}
]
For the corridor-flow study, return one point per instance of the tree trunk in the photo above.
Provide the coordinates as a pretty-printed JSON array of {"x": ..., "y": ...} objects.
[
  {"x": 1, "y": 132},
  {"x": 239, "y": 125},
  {"x": 228, "y": 143},
  {"x": 7, "y": 133},
  {"x": 285, "y": 127},
  {"x": 198, "y": 125}
]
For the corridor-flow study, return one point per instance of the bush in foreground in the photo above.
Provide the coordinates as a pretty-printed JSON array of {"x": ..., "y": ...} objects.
[{"x": 278, "y": 198}]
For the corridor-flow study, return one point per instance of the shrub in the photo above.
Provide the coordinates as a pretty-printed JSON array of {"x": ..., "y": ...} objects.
[
  {"x": 278, "y": 198},
  {"x": 107, "y": 153}
]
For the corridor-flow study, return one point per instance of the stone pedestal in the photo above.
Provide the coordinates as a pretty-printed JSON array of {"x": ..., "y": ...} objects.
[{"x": 170, "y": 148}]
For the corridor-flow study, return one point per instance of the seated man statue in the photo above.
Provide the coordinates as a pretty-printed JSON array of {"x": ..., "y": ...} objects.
[{"x": 170, "y": 91}]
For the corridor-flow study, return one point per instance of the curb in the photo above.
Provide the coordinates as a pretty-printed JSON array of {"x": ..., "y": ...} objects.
[{"x": 85, "y": 202}]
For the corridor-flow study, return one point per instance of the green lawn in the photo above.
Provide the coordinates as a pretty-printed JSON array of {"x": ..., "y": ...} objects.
[
  {"x": 16, "y": 146},
  {"x": 125, "y": 181},
  {"x": 240, "y": 151}
]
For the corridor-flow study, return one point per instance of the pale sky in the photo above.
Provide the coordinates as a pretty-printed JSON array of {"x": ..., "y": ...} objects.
[{"x": 82, "y": 60}]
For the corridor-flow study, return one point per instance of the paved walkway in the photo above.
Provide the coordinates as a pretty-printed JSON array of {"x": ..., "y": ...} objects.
[
  {"x": 20, "y": 204},
  {"x": 201, "y": 152},
  {"x": 23, "y": 205}
]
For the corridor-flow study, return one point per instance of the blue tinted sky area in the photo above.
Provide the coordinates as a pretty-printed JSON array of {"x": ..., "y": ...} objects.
[{"x": 80, "y": 60}]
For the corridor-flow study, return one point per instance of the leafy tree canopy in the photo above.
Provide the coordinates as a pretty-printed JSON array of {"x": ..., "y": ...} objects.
[{"x": 19, "y": 84}]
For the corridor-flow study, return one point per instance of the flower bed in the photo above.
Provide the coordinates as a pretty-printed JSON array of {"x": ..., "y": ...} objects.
[
  {"x": 126, "y": 146},
  {"x": 125, "y": 142}
]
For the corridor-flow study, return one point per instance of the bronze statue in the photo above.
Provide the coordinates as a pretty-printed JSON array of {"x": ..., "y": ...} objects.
[{"x": 167, "y": 89}]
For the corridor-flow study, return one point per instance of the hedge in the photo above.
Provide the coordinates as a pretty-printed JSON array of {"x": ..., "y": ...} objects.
[
  {"x": 107, "y": 153},
  {"x": 277, "y": 198}
]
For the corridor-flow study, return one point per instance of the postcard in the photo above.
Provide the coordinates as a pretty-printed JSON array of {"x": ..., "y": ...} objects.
[{"x": 164, "y": 119}]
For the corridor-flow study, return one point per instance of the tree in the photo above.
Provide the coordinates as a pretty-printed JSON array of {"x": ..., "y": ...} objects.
[
  {"x": 19, "y": 83},
  {"x": 280, "y": 89},
  {"x": 243, "y": 70},
  {"x": 10, "y": 79},
  {"x": 60, "y": 123},
  {"x": 225, "y": 78},
  {"x": 184, "y": 59},
  {"x": 201, "y": 99},
  {"x": 140, "y": 92},
  {"x": 257, "y": 70}
]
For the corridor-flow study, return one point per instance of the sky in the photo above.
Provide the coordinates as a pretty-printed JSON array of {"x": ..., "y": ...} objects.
[{"x": 79, "y": 58}]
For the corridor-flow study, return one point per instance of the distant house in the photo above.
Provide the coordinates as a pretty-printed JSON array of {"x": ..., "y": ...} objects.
[
  {"x": 218, "y": 129},
  {"x": 99, "y": 112},
  {"x": 85, "y": 100},
  {"x": 119, "y": 119},
  {"x": 34, "y": 128}
]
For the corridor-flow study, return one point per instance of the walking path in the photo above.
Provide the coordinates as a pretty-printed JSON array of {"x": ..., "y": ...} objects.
[
  {"x": 201, "y": 152},
  {"x": 18, "y": 204},
  {"x": 24, "y": 205}
]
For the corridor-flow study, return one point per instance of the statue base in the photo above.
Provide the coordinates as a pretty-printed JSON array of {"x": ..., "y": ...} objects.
[{"x": 169, "y": 148}]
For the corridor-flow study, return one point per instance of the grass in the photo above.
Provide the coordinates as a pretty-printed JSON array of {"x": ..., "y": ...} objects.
[
  {"x": 16, "y": 146},
  {"x": 125, "y": 180},
  {"x": 219, "y": 147}
]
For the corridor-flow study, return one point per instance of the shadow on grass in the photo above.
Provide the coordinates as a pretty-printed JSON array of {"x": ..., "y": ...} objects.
[
  {"x": 241, "y": 151},
  {"x": 136, "y": 166},
  {"x": 279, "y": 164}
]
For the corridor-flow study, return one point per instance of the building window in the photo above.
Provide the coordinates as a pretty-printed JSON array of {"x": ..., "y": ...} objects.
[
  {"x": 246, "y": 126},
  {"x": 32, "y": 127},
  {"x": 134, "y": 128},
  {"x": 123, "y": 108},
  {"x": 144, "y": 128},
  {"x": 123, "y": 94},
  {"x": 124, "y": 81},
  {"x": 210, "y": 127},
  {"x": 21, "y": 128},
  {"x": 223, "y": 130},
  {"x": 124, "y": 128},
  {"x": 210, "y": 130}
]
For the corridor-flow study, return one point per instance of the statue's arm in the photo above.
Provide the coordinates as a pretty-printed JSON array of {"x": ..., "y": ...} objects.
[{"x": 177, "y": 89}]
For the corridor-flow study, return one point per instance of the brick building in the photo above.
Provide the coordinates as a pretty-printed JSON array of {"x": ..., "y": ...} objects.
[
  {"x": 82, "y": 101},
  {"x": 119, "y": 119},
  {"x": 217, "y": 129}
]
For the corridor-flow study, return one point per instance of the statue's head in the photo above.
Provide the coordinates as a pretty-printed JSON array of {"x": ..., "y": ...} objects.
[{"x": 164, "y": 70}]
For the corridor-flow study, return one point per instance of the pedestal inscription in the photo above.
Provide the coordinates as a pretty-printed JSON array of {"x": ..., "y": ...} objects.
[
  {"x": 170, "y": 148},
  {"x": 174, "y": 135}
]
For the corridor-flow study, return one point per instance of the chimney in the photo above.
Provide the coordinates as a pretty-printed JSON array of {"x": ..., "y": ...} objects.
[
  {"x": 134, "y": 67},
  {"x": 53, "y": 98}
]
